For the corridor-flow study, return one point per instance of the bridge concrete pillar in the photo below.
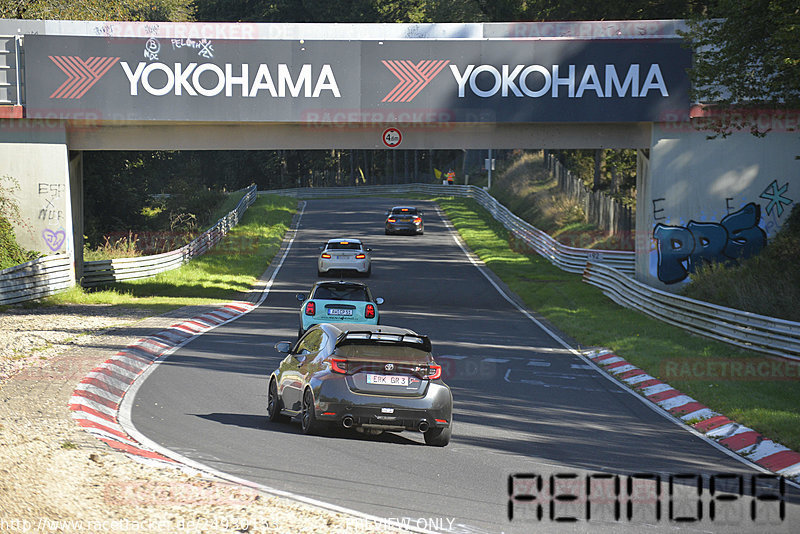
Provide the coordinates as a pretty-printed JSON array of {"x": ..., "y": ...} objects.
[
  {"x": 76, "y": 203},
  {"x": 35, "y": 161}
]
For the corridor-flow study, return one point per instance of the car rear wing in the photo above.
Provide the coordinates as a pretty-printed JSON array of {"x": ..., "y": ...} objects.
[{"x": 354, "y": 337}]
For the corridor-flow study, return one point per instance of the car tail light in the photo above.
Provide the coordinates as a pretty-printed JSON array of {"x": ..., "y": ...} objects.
[
  {"x": 391, "y": 219},
  {"x": 339, "y": 365},
  {"x": 311, "y": 308},
  {"x": 326, "y": 255},
  {"x": 417, "y": 220},
  {"x": 434, "y": 372},
  {"x": 369, "y": 311},
  {"x": 360, "y": 256}
]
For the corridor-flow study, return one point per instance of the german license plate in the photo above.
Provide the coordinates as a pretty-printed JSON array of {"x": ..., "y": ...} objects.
[
  {"x": 387, "y": 380},
  {"x": 340, "y": 312}
]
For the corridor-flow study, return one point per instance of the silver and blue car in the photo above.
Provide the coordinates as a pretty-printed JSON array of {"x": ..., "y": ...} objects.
[
  {"x": 369, "y": 378},
  {"x": 338, "y": 302}
]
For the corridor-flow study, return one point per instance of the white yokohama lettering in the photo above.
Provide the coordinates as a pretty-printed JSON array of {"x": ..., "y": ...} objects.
[
  {"x": 536, "y": 81},
  {"x": 209, "y": 79}
]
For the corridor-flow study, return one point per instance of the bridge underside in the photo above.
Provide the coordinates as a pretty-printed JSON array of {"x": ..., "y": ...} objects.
[{"x": 271, "y": 136}]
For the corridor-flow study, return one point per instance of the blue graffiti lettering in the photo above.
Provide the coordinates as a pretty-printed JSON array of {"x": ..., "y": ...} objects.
[{"x": 683, "y": 250}]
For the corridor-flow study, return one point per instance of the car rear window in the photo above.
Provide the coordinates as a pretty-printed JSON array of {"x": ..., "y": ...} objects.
[
  {"x": 344, "y": 245},
  {"x": 341, "y": 293},
  {"x": 382, "y": 351},
  {"x": 404, "y": 211}
]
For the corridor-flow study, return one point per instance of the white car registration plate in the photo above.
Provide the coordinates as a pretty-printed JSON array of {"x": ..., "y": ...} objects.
[
  {"x": 387, "y": 380},
  {"x": 340, "y": 312}
]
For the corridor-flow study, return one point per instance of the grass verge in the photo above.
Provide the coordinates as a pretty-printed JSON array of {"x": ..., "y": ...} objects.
[
  {"x": 581, "y": 311},
  {"x": 224, "y": 273}
]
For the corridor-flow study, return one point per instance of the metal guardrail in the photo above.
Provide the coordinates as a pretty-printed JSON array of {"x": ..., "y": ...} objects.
[
  {"x": 759, "y": 333},
  {"x": 109, "y": 271},
  {"x": 35, "y": 279},
  {"x": 570, "y": 259}
]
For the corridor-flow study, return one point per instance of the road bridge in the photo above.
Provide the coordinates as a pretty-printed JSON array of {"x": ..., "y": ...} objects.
[{"x": 73, "y": 86}]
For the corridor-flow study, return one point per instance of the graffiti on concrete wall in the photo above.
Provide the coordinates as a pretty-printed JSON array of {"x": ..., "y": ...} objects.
[
  {"x": 683, "y": 249},
  {"x": 51, "y": 214}
]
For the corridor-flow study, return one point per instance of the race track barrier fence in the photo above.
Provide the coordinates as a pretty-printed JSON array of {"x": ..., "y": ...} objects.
[
  {"x": 51, "y": 274},
  {"x": 101, "y": 272},
  {"x": 36, "y": 279},
  {"x": 767, "y": 335}
]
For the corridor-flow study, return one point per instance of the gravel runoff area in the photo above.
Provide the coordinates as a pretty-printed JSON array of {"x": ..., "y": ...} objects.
[{"x": 54, "y": 477}]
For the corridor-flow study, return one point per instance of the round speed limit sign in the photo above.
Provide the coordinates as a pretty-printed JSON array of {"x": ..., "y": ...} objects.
[{"x": 392, "y": 137}]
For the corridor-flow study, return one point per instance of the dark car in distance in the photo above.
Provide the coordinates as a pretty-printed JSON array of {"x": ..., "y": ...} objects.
[
  {"x": 404, "y": 220},
  {"x": 371, "y": 378}
]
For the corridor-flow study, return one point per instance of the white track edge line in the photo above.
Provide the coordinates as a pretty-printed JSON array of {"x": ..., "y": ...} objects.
[
  {"x": 657, "y": 409},
  {"x": 126, "y": 421}
]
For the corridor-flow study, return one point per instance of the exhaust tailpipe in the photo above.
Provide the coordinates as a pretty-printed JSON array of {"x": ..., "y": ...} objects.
[
  {"x": 347, "y": 421},
  {"x": 423, "y": 426}
]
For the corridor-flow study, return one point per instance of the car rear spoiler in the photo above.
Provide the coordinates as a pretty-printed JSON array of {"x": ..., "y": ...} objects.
[{"x": 354, "y": 337}]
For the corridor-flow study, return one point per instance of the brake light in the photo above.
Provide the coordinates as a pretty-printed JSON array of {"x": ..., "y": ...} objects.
[
  {"x": 339, "y": 365},
  {"x": 418, "y": 220},
  {"x": 369, "y": 311},
  {"x": 360, "y": 256},
  {"x": 326, "y": 255},
  {"x": 434, "y": 372},
  {"x": 391, "y": 219},
  {"x": 311, "y": 308}
]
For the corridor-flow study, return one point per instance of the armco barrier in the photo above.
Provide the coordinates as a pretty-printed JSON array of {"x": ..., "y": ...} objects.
[
  {"x": 48, "y": 275},
  {"x": 35, "y": 279},
  {"x": 107, "y": 271},
  {"x": 750, "y": 331},
  {"x": 567, "y": 258}
]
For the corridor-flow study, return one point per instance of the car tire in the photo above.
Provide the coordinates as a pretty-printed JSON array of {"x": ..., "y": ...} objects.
[
  {"x": 320, "y": 273},
  {"x": 308, "y": 416},
  {"x": 368, "y": 272},
  {"x": 274, "y": 414},
  {"x": 439, "y": 437},
  {"x": 386, "y": 232}
]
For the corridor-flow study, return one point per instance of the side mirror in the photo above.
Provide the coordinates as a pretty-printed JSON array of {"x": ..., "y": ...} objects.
[
  {"x": 300, "y": 296},
  {"x": 283, "y": 346},
  {"x": 379, "y": 301},
  {"x": 322, "y": 247},
  {"x": 368, "y": 249},
  {"x": 388, "y": 212}
]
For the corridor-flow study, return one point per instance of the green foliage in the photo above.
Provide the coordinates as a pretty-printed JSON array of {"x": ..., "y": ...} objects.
[
  {"x": 11, "y": 253},
  {"x": 132, "y": 10},
  {"x": 749, "y": 57},
  {"x": 224, "y": 273},
  {"x": 766, "y": 284}
]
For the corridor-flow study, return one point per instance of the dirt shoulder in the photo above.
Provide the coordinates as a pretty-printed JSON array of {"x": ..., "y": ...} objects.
[{"x": 55, "y": 477}]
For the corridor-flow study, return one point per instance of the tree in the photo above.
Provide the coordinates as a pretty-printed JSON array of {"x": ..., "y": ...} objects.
[
  {"x": 129, "y": 10},
  {"x": 748, "y": 59}
]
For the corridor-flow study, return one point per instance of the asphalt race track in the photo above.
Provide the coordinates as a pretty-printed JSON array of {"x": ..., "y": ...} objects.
[{"x": 531, "y": 417}]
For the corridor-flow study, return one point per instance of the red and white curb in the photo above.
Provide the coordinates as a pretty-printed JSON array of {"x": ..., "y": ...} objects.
[
  {"x": 95, "y": 403},
  {"x": 738, "y": 438}
]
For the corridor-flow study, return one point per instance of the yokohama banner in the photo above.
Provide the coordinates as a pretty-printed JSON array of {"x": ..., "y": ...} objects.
[{"x": 150, "y": 79}]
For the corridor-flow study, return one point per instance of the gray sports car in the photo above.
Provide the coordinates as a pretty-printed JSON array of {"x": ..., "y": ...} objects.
[{"x": 371, "y": 378}]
